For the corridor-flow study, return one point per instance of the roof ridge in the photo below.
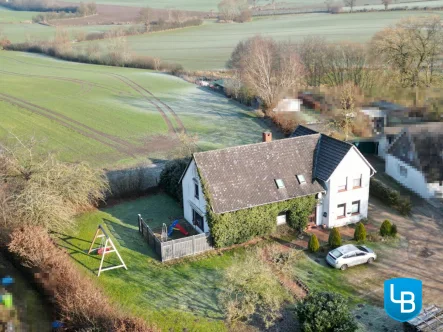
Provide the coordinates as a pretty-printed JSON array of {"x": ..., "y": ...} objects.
[{"x": 251, "y": 144}]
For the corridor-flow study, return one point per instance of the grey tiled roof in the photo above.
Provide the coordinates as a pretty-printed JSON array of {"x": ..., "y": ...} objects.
[
  {"x": 244, "y": 176},
  {"x": 330, "y": 152},
  {"x": 302, "y": 131},
  {"x": 426, "y": 141}
]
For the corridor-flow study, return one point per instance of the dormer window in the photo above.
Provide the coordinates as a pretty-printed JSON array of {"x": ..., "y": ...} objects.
[
  {"x": 301, "y": 179},
  {"x": 280, "y": 184}
]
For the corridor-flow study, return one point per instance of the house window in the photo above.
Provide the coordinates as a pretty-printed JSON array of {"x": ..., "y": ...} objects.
[
  {"x": 357, "y": 182},
  {"x": 301, "y": 179},
  {"x": 280, "y": 184},
  {"x": 196, "y": 191},
  {"x": 355, "y": 207},
  {"x": 403, "y": 171},
  {"x": 341, "y": 211},
  {"x": 342, "y": 184},
  {"x": 198, "y": 220}
]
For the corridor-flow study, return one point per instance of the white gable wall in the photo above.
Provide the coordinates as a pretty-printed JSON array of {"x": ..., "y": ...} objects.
[
  {"x": 190, "y": 202},
  {"x": 414, "y": 179},
  {"x": 352, "y": 166}
]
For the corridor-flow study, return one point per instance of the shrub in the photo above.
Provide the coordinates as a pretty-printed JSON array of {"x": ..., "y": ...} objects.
[
  {"x": 360, "y": 232},
  {"x": 404, "y": 206},
  {"x": 170, "y": 177},
  {"x": 313, "y": 244},
  {"x": 390, "y": 197},
  {"x": 242, "y": 225},
  {"x": 386, "y": 228},
  {"x": 251, "y": 290},
  {"x": 334, "y": 238},
  {"x": 325, "y": 312},
  {"x": 394, "y": 230},
  {"x": 80, "y": 304}
]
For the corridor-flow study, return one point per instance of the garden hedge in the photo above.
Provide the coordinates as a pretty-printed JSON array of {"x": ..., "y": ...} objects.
[
  {"x": 390, "y": 197},
  {"x": 243, "y": 225}
]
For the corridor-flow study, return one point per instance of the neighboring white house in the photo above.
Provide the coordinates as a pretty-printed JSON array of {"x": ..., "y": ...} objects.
[
  {"x": 377, "y": 117},
  {"x": 288, "y": 105},
  {"x": 415, "y": 159},
  {"x": 251, "y": 175}
]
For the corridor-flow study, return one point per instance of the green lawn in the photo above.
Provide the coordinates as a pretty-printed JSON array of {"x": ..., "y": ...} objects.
[
  {"x": 13, "y": 16},
  {"x": 172, "y": 296},
  {"x": 184, "y": 295},
  {"x": 210, "y": 45},
  {"x": 98, "y": 114}
]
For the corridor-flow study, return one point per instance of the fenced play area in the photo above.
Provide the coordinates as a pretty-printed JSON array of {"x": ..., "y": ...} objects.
[{"x": 176, "y": 240}]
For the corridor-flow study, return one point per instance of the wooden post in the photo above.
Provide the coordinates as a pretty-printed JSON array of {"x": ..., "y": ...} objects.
[{"x": 193, "y": 244}]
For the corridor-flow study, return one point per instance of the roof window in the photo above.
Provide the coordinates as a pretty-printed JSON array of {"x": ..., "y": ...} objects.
[
  {"x": 301, "y": 178},
  {"x": 280, "y": 184}
]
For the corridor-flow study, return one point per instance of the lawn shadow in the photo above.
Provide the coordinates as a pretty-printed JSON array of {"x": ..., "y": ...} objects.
[
  {"x": 73, "y": 250},
  {"x": 130, "y": 238}
]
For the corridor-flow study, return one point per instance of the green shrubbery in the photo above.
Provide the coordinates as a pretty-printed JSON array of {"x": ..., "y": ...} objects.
[
  {"x": 360, "y": 232},
  {"x": 334, "y": 238},
  {"x": 170, "y": 177},
  {"x": 390, "y": 197},
  {"x": 325, "y": 312},
  {"x": 388, "y": 229},
  {"x": 313, "y": 244},
  {"x": 240, "y": 226}
]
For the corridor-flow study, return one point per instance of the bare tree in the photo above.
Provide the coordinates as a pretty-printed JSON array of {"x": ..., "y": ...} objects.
[
  {"x": 229, "y": 10},
  {"x": 411, "y": 48},
  {"x": 312, "y": 51},
  {"x": 350, "y": 4},
  {"x": 145, "y": 15},
  {"x": 386, "y": 3},
  {"x": 157, "y": 63},
  {"x": 233, "y": 85},
  {"x": 344, "y": 117},
  {"x": 267, "y": 67}
]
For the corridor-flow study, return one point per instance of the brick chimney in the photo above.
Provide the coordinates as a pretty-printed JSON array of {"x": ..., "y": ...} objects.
[{"x": 267, "y": 136}]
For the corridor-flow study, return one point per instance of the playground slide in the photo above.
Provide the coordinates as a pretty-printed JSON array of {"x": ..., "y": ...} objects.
[
  {"x": 182, "y": 230},
  {"x": 178, "y": 227}
]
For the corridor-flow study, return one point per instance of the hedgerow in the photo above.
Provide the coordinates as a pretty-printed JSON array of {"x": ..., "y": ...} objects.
[
  {"x": 242, "y": 225},
  {"x": 390, "y": 197}
]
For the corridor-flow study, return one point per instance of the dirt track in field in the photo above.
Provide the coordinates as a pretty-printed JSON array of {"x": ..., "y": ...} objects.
[
  {"x": 143, "y": 92},
  {"x": 114, "y": 14}
]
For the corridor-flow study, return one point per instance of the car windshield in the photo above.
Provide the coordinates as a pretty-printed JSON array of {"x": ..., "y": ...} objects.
[
  {"x": 362, "y": 248},
  {"x": 336, "y": 253}
]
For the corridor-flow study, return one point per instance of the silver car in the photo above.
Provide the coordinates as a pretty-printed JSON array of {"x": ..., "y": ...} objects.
[{"x": 350, "y": 255}]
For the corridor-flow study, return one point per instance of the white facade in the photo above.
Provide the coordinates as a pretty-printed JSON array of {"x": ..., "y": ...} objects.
[
  {"x": 411, "y": 178},
  {"x": 194, "y": 203},
  {"x": 288, "y": 105},
  {"x": 347, "y": 191}
]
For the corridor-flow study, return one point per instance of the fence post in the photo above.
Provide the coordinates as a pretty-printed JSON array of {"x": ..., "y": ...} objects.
[
  {"x": 140, "y": 223},
  {"x": 173, "y": 249},
  {"x": 193, "y": 244}
]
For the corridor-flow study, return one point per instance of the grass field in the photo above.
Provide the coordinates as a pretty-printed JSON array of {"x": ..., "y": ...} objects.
[
  {"x": 207, "y": 5},
  {"x": 13, "y": 16},
  {"x": 111, "y": 116},
  {"x": 210, "y": 45}
]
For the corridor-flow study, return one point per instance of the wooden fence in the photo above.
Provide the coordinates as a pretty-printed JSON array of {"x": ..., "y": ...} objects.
[{"x": 173, "y": 249}]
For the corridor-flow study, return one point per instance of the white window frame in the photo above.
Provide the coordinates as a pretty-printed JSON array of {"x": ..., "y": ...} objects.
[
  {"x": 344, "y": 187},
  {"x": 352, "y": 207},
  {"x": 403, "y": 170},
  {"x": 339, "y": 206},
  {"x": 359, "y": 179}
]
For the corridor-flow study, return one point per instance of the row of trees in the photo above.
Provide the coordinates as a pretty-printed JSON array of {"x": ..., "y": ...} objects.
[
  {"x": 404, "y": 55},
  {"x": 234, "y": 10}
]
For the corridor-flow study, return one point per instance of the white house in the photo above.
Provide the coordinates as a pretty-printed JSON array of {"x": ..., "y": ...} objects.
[
  {"x": 288, "y": 105},
  {"x": 415, "y": 159},
  {"x": 251, "y": 175}
]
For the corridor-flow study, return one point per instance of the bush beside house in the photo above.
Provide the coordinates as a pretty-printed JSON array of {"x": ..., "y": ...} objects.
[
  {"x": 390, "y": 197},
  {"x": 388, "y": 229},
  {"x": 170, "y": 177},
  {"x": 242, "y": 225},
  {"x": 334, "y": 238},
  {"x": 313, "y": 244},
  {"x": 360, "y": 232}
]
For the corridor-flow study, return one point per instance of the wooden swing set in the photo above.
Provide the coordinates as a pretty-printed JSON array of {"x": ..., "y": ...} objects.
[{"x": 106, "y": 247}]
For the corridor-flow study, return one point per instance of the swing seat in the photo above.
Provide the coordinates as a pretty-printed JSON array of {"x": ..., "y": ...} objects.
[{"x": 101, "y": 250}]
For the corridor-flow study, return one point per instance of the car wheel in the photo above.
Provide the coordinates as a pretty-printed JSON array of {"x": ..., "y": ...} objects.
[
  {"x": 343, "y": 267},
  {"x": 370, "y": 260}
]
